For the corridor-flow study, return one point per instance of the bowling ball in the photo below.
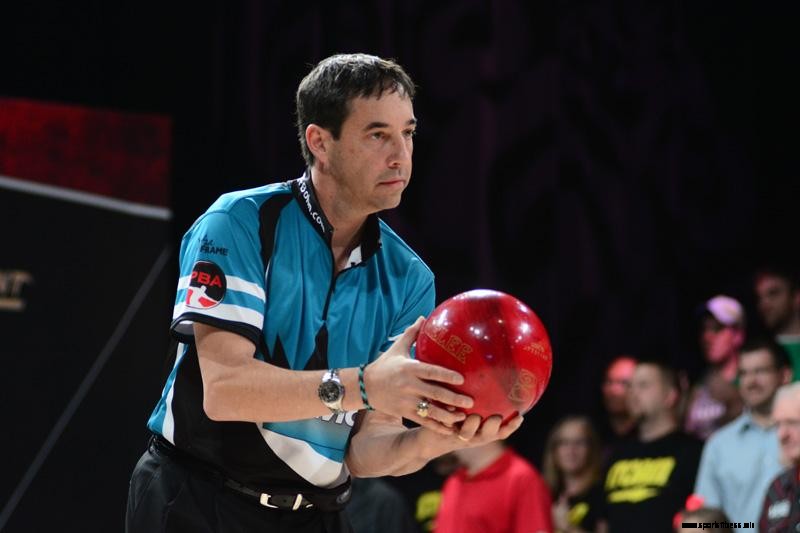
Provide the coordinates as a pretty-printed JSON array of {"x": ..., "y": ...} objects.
[{"x": 497, "y": 343}]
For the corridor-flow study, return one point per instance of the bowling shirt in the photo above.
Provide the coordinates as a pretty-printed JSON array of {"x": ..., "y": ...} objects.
[
  {"x": 646, "y": 483},
  {"x": 508, "y": 496},
  {"x": 259, "y": 264}
]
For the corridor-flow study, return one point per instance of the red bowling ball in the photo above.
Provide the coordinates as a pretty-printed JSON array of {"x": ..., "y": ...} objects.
[{"x": 497, "y": 343}]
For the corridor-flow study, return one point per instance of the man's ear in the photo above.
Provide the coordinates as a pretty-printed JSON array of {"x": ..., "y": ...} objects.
[
  {"x": 786, "y": 375},
  {"x": 673, "y": 398},
  {"x": 318, "y": 140}
]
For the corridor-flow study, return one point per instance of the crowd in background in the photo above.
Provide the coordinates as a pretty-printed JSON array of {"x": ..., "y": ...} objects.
[{"x": 723, "y": 450}]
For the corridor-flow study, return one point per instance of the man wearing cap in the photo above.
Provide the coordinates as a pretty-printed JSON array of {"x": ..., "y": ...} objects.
[{"x": 715, "y": 401}]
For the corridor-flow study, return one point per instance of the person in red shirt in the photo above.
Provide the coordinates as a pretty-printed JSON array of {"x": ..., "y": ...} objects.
[{"x": 495, "y": 491}]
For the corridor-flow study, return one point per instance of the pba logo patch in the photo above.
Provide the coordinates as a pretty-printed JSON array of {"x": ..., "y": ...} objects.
[{"x": 206, "y": 286}]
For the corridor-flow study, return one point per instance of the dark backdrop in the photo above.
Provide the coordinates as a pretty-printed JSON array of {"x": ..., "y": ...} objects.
[{"x": 611, "y": 165}]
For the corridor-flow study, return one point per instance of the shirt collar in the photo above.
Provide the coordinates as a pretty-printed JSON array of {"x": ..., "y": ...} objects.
[
  {"x": 306, "y": 197},
  {"x": 746, "y": 422}
]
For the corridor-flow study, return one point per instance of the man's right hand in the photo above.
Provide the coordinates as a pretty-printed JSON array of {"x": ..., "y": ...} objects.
[{"x": 396, "y": 383}]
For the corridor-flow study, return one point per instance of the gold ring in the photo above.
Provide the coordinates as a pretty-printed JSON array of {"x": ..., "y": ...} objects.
[
  {"x": 463, "y": 438},
  {"x": 422, "y": 408}
]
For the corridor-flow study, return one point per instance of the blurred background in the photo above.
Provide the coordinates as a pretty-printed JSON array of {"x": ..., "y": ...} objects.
[{"x": 613, "y": 165}]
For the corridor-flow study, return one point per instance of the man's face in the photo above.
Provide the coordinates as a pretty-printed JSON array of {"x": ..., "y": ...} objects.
[
  {"x": 719, "y": 342},
  {"x": 371, "y": 160},
  {"x": 786, "y": 414},
  {"x": 775, "y": 301},
  {"x": 648, "y": 395},
  {"x": 759, "y": 378},
  {"x": 616, "y": 383}
]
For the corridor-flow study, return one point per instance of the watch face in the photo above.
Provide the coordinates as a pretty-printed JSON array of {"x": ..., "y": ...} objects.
[{"x": 330, "y": 391}]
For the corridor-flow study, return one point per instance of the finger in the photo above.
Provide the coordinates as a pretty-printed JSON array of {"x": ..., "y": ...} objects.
[
  {"x": 431, "y": 424},
  {"x": 445, "y": 416},
  {"x": 431, "y": 372},
  {"x": 410, "y": 335},
  {"x": 507, "y": 429},
  {"x": 469, "y": 427},
  {"x": 491, "y": 426},
  {"x": 445, "y": 396}
]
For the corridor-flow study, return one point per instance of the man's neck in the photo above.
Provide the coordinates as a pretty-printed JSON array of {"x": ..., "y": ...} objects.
[
  {"x": 621, "y": 424},
  {"x": 477, "y": 459},
  {"x": 347, "y": 226},
  {"x": 729, "y": 368},
  {"x": 656, "y": 427},
  {"x": 792, "y": 327},
  {"x": 762, "y": 415}
]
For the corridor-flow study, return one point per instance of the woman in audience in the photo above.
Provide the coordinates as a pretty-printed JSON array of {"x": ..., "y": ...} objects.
[{"x": 571, "y": 467}]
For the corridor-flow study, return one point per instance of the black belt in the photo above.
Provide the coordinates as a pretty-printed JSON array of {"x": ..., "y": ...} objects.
[{"x": 325, "y": 499}]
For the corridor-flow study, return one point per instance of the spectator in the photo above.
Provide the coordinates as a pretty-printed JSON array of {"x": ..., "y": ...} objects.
[
  {"x": 495, "y": 491},
  {"x": 618, "y": 423},
  {"x": 778, "y": 300},
  {"x": 649, "y": 478},
  {"x": 715, "y": 400},
  {"x": 571, "y": 468},
  {"x": 781, "y": 510},
  {"x": 741, "y": 459}
]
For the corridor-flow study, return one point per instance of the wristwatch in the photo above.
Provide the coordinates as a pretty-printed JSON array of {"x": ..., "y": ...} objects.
[{"x": 331, "y": 390}]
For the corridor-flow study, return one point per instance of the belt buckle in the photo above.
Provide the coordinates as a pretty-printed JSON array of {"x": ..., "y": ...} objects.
[{"x": 264, "y": 500}]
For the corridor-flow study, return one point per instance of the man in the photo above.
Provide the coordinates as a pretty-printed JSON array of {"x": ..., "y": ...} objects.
[
  {"x": 781, "y": 510},
  {"x": 715, "y": 401},
  {"x": 495, "y": 491},
  {"x": 648, "y": 479},
  {"x": 289, "y": 294},
  {"x": 618, "y": 422},
  {"x": 741, "y": 459},
  {"x": 778, "y": 301}
]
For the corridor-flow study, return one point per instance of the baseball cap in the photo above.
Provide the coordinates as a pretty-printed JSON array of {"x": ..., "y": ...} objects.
[{"x": 728, "y": 311}]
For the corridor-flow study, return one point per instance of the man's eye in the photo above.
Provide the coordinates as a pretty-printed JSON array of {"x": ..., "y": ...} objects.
[
  {"x": 411, "y": 133},
  {"x": 378, "y": 135}
]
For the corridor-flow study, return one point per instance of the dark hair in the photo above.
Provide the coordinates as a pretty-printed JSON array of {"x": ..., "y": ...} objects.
[
  {"x": 324, "y": 95},
  {"x": 780, "y": 357},
  {"x": 779, "y": 270},
  {"x": 669, "y": 376}
]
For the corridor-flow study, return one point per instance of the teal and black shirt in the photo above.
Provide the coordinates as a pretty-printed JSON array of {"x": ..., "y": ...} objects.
[{"x": 259, "y": 263}]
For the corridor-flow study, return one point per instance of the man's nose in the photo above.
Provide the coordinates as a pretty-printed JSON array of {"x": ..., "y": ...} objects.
[{"x": 401, "y": 152}]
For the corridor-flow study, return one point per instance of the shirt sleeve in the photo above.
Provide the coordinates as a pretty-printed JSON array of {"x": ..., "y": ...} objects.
[
  {"x": 420, "y": 299},
  {"x": 221, "y": 277},
  {"x": 707, "y": 484}
]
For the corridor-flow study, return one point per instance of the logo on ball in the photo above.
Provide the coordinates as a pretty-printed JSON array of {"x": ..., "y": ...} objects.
[
  {"x": 451, "y": 344},
  {"x": 521, "y": 391}
]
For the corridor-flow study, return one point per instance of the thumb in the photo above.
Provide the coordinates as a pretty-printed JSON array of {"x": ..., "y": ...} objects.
[{"x": 410, "y": 334}]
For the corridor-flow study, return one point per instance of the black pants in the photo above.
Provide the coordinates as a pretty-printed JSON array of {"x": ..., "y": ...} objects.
[{"x": 167, "y": 497}]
